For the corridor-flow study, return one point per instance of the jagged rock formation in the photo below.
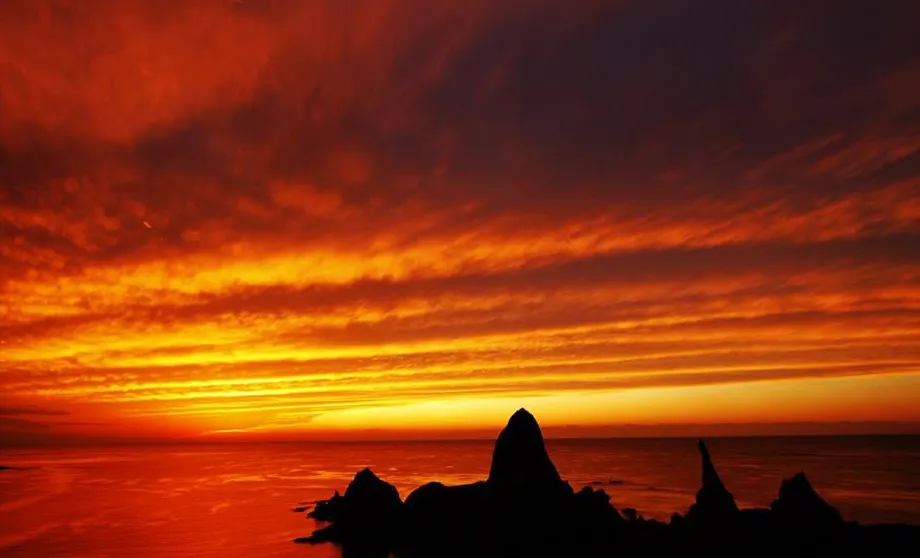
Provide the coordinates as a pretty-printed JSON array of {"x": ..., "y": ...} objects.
[
  {"x": 367, "y": 494},
  {"x": 369, "y": 510},
  {"x": 715, "y": 506},
  {"x": 799, "y": 505},
  {"x": 525, "y": 508},
  {"x": 328, "y": 510}
]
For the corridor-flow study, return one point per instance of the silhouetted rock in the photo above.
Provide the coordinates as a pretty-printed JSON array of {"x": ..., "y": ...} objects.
[
  {"x": 519, "y": 457},
  {"x": 594, "y": 500},
  {"x": 592, "y": 522},
  {"x": 425, "y": 502},
  {"x": 328, "y": 510},
  {"x": 800, "y": 505},
  {"x": 369, "y": 511},
  {"x": 526, "y": 509},
  {"x": 530, "y": 503},
  {"x": 369, "y": 495},
  {"x": 435, "y": 513},
  {"x": 714, "y": 504}
]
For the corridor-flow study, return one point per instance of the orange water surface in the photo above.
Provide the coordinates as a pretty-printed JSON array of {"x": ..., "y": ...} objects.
[{"x": 237, "y": 500}]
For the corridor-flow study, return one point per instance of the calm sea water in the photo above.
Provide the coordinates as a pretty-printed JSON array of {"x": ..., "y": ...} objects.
[{"x": 236, "y": 500}]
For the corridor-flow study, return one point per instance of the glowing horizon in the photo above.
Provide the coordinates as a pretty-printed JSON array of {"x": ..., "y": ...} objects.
[{"x": 279, "y": 219}]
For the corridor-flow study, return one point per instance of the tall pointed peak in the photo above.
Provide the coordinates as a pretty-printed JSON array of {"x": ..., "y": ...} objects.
[
  {"x": 520, "y": 455},
  {"x": 713, "y": 500},
  {"x": 522, "y": 417},
  {"x": 366, "y": 472},
  {"x": 703, "y": 450},
  {"x": 710, "y": 475}
]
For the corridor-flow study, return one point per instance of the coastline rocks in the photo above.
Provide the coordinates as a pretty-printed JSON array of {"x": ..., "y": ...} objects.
[
  {"x": 715, "y": 505},
  {"x": 435, "y": 513},
  {"x": 799, "y": 505},
  {"x": 519, "y": 458},
  {"x": 523, "y": 492},
  {"x": 369, "y": 511},
  {"x": 368, "y": 495},
  {"x": 524, "y": 489},
  {"x": 462, "y": 501},
  {"x": 328, "y": 510},
  {"x": 524, "y": 508}
]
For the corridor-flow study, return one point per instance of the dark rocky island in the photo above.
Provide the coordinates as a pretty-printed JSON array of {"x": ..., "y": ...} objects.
[{"x": 524, "y": 508}]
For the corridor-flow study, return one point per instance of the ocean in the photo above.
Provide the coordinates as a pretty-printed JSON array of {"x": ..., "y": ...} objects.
[{"x": 236, "y": 500}]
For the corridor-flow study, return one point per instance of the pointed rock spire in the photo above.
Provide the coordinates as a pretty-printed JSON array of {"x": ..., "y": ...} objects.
[
  {"x": 520, "y": 457},
  {"x": 713, "y": 500},
  {"x": 710, "y": 475}
]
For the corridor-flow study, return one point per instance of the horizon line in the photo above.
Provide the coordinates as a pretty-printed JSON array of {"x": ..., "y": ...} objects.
[{"x": 665, "y": 431}]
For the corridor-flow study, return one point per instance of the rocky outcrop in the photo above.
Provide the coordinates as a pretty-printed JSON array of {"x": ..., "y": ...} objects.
[
  {"x": 525, "y": 493},
  {"x": 800, "y": 505},
  {"x": 370, "y": 510},
  {"x": 519, "y": 457},
  {"x": 524, "y": 508},
  {"x": 328, "y": 510},
  {"x": 714, "y": 506},
  {"x": 369, "y": 495},
  {"x": 435, "y": 513}
]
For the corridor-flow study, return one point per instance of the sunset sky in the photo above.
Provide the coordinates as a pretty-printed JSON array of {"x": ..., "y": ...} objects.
[{"x": 270, "y": 218}]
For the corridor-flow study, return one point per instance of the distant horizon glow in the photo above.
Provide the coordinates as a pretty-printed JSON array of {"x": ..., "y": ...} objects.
[{"x": 266, "y": 220}]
